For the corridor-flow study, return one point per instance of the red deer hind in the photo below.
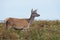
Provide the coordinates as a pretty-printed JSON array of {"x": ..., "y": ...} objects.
[{"x": 21, "y": 24}]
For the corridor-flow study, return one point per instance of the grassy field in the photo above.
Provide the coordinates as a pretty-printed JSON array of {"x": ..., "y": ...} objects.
[{"x": 39, "y": 30}]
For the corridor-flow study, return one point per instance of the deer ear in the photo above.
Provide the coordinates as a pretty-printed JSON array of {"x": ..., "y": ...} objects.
[
  {"x": 31, "y": 10},
  {"x": 35, "y": 10}
]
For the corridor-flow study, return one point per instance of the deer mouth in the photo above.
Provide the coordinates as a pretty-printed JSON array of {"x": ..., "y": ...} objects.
[{"x": 38, "y": 15}]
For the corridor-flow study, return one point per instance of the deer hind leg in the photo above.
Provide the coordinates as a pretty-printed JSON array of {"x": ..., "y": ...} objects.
[{"x": 8, "y": 25}]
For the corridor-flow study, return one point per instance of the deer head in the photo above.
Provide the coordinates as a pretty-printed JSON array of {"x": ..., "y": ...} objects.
[{"x": 34, "y": 13}]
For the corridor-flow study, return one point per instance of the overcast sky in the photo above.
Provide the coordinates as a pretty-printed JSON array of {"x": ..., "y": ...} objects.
[{"x": 48, "y": 9}]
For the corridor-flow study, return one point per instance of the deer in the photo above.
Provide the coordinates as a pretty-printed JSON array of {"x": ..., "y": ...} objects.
[{"x": 21, "y": 24}]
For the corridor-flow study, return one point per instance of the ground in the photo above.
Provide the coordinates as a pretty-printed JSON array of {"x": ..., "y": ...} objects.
[{"x": 39, "y": 30}]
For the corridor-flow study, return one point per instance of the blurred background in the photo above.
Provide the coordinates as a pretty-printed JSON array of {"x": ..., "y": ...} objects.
[
  {"x": 45, "y": 27},
  {"x": 48, "y": 9}
]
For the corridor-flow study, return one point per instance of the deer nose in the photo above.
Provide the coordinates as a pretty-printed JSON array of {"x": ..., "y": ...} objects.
[{"x": 38, "y": 15}]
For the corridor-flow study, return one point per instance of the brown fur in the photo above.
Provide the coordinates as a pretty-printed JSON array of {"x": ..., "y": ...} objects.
[{"x": 15, "y": 22}]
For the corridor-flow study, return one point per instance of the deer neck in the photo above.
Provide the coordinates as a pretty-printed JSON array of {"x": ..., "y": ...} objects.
[{"x": 31, "y": 19}]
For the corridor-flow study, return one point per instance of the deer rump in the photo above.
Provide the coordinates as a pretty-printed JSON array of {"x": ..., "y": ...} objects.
[{"x": 16, "y": 23}]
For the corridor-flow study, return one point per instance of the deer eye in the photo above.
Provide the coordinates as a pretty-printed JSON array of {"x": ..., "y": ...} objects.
[{"x": 35, "y": 13}]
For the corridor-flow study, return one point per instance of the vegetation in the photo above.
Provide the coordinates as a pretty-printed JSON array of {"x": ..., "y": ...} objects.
[{"x": 39, "y": 30}]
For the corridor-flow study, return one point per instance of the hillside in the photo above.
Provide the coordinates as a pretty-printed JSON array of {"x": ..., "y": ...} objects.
[{"x": 39, "y": 30}]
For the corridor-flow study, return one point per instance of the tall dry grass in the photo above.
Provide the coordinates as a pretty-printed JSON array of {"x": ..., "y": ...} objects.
[{"x": 39, "y": 30}]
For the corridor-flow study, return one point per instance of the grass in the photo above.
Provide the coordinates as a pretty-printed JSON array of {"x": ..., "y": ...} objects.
[{"x": 39, "y": 30}]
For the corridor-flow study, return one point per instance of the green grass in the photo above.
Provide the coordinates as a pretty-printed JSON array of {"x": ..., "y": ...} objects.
[{"x": 39, "y": 30}]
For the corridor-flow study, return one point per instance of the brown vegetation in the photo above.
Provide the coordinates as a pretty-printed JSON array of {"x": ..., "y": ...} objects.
[{"x": 39, "y": 30}]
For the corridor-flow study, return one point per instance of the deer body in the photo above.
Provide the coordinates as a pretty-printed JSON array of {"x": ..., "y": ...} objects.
[
  {"x": 21, "y": 23},
  {"x": 17, "y": 23}
]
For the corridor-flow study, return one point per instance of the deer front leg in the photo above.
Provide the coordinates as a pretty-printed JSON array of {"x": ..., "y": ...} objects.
[{"x": 27, "y": 32}]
